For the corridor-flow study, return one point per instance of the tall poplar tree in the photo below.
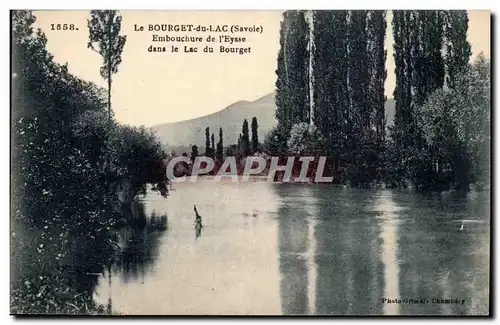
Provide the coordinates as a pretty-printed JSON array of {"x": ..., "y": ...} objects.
[
  {"x": 458, "y": 50},
  {"x": 376, "y": 30},
  {"x": 245, "y": 140},
  {"x": 407, "y": 56},
  {"x": 427, "y": 46},
  {"x": 220, "y": 146},
  {"x": 281, "y": 86},
  {"x": 331, "y": 94},
  {"x": 358, "y": 74},
  {"x": 309, "y": 17},
  {"x": 104, "y": 38},
  {"x": 369, "y": 158},
  {"x": 365, "y": 80},
  {"x": 418, "y": 43},
  {"x": 255, "y": 135},
  {"x": 429, "y": 65},
  {"x": 397, "y": 162},
  {"x": 213, "y": 145},
  {"x": 292, "y": 93},
  {"x": 207, "y": 141}
]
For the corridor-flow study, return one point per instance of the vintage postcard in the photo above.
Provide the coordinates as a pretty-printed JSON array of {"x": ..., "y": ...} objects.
[{"x": 299, "y": 162}]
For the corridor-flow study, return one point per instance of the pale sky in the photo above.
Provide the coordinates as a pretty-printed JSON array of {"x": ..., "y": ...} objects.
[{"x": 155, "y": 88}]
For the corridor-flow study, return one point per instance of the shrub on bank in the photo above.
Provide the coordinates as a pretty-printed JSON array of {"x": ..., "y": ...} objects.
[{"x": 69, "y": 161}]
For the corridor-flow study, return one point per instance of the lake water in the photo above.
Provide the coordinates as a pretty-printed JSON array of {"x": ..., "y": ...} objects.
[{"x": 272, "y": 249}]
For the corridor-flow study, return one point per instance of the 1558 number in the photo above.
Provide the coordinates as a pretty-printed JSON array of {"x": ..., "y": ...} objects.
[{"x": 63, "y": 27}]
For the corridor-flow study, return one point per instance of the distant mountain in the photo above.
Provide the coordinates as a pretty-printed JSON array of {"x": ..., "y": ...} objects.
[
  {"x": 189, "y": 132},
  {"x": 230, "y": 119}
]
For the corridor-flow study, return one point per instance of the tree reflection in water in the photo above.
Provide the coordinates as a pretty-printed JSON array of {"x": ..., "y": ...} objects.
[
  {"x": 138, "y": 242},
  {"x": 370, "y": 244},
  {"x": 73, "y": 261},
  {"x": 198, "y": 228}
]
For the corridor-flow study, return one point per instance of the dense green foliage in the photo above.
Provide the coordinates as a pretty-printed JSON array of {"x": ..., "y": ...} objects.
[
  {"x": 455, "y": 125},
  {"x": 348, "y": 71},
  {"x": 276, "y": 141},
  {"x": 72, "y": 170},
  {"x": 420, "y": 70},
  {"x": 305, "y": 139},
  {"x": 292, "y": 83},
  {"x": 423, "y": 71},
  {"x": 426, "y": 147}
]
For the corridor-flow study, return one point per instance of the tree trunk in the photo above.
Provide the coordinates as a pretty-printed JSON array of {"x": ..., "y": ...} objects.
[
  {"x": 310, "y": 20},
  {"x": 109, "y": 93},
  {"x": 109, "y": 65}
]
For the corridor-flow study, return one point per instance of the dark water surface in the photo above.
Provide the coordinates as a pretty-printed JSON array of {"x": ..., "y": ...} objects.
[{"x": 303, "y": 249}]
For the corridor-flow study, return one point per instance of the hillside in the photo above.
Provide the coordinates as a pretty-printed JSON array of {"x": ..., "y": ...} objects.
[
  {"x": 230, "y": 119},
  {"x": 186, "y": 133}
]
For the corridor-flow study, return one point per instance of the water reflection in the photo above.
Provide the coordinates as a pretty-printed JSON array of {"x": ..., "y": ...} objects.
[
  {"x": 342, "y": 275},
  {"x": 136, "y": 248},
  {"x": 138, "y": 242},
  {"x": 197, "y": 229},
  {"x": 197, "y": 223},
  {"x": 437, "y": 260},
  {"x": 389, "y": 236},
  {"x": 293, "y": 230},
  {"x": 230, "y": 269},
  {"x": 311, "y": 252},
  {"x": 370, "y": 245},
  {"x": 349, "y": 271},
  {"x": 302, "y": 249}
]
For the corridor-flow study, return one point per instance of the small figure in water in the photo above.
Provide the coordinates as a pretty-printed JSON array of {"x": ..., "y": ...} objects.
[{"x": 198, "y": 224}]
